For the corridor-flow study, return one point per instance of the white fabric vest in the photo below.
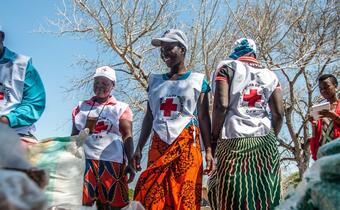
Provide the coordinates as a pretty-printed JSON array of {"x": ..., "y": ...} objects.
[
  {"x": 12, "y": 79},
  {"x": 249, "y": 92},
  {"x": 173, "y": 103},
  {"x": 107, "y": 144}
]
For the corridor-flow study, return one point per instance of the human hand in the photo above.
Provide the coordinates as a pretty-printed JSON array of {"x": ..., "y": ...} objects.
[
  {"x": 210, "y": 165},
  {"x": 311, "y": 119},
  {"x": 136, "y": 159},
  {"x": 329, "y": 114},
  {"x": 131, "y": 171},
  {"x": 4, "y": 120}
]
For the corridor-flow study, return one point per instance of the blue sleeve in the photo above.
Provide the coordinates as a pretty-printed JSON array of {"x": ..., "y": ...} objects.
[
  {"x": 205, "y": 86},
  {"x": 33, "y": 101}
]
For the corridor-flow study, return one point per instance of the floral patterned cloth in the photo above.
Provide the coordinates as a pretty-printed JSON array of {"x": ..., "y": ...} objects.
[{"x": 173, "y": 178}]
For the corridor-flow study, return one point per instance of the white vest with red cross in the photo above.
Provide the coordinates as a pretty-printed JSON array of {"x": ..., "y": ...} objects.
[
  {"x": 12, "y": 81},
  {"x": 105, "y": 143},
  {"x": 249, "y": 92},
  {"x": 173, "y": 103}
]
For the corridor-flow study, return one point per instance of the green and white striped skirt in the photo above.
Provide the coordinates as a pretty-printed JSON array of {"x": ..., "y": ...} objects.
[{"x": 247, "y": 175}]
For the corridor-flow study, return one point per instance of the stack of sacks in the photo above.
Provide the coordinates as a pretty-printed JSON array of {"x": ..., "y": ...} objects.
[
  {"x": 20, "y": 184},
  {"x": 63, "y": 158}
]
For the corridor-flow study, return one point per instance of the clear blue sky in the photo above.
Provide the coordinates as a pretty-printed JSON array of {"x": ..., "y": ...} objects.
[{"x": 52, "y": 56}]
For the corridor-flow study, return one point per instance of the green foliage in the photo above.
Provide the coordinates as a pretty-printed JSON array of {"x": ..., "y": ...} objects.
[
  {"x": 131, "y": 192},
  {"x": 293, "y": 179}
]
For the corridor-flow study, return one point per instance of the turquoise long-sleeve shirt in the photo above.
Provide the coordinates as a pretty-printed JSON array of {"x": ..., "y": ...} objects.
[{"x": 34, "y": 98}]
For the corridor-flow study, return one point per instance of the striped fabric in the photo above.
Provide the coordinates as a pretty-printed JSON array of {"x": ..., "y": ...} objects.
[
  {"x": 327, "y": 132},
  {"x": 247, "y": 175}
]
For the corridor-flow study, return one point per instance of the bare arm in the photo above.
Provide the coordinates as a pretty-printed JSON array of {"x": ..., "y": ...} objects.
[
  {"x": 204, "y": 119},
  {"x": 144, "y": 135},
  {"x": 276, "y": 108},
  {"x": 205, "y": 127},
  {"x": 125, "y": 128},
  {"x": 220, "y": 107},
  {"x": 75, "y": 131},
  {"x": 146, "y": 128}
]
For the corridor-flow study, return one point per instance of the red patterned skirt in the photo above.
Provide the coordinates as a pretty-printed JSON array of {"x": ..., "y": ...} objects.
[
  {"x": 105, "y": 183},
  {"x": 173, "y": 178}
]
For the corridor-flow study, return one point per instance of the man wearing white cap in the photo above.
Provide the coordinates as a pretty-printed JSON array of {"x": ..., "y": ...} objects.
[
  {"x": 22, "y": 93},
  {"x": 109, "y": 147},
  {"x": 247, "y": 175},
  {"x": 178, "y": 116}
]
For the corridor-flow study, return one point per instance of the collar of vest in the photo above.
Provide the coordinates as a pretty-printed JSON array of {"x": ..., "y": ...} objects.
[
  {"x": 181, "y": 77},
  {"x": 248, "y": 59},
  {"x": 110, "y": 101}
]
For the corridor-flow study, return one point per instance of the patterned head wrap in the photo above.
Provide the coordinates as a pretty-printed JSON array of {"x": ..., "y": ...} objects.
[{"x": 242, "y": 47}]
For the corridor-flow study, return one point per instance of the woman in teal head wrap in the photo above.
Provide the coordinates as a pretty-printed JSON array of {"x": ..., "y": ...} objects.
[
  {"x": 243, "y": 47},
  {"x": 244, "y": 134}
]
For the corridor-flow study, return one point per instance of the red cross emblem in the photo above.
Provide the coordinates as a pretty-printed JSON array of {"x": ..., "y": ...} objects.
[
  {"x": 252, "y": 97},
  {"x": 168, "y": 106},
  {"x": 100, "y": 126},
  {"x": 2, "y": 96}
]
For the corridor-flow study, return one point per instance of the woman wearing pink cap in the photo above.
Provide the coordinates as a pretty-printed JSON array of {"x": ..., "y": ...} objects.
[{"x": 109, "y": 147}]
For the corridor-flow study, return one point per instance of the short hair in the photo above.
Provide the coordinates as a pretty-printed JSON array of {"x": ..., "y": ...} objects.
[
  {"x": 2, "y": 34},
  {"x": 331, "y": 77}
]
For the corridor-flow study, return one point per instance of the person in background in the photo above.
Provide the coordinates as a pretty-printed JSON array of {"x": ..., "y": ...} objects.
[
  {"x": 247, "y": 173},
  {"x": 177, "y": 115},
  {"x": 22, "y": 93},
  {"x": 327, "y": 128},
  {"x": 109, "y": 147}
]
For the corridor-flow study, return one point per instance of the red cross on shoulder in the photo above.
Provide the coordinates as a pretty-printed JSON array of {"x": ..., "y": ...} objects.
[
  {"x": 168, "y": 106},
  {"x": 252, "y": 97}
]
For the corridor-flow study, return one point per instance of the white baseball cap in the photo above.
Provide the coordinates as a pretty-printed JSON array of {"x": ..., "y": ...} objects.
[
  {"x": 106, "y": 71},
  {"x": 171, "y": 36}
]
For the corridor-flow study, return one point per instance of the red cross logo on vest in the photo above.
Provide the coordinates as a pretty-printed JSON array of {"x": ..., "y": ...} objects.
[
  {"x": 252, "y": 97},
  {"x": 168, "y": 106},
  {"x": 100, "y": 126},
  {"x": 2, "y": 96}
]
